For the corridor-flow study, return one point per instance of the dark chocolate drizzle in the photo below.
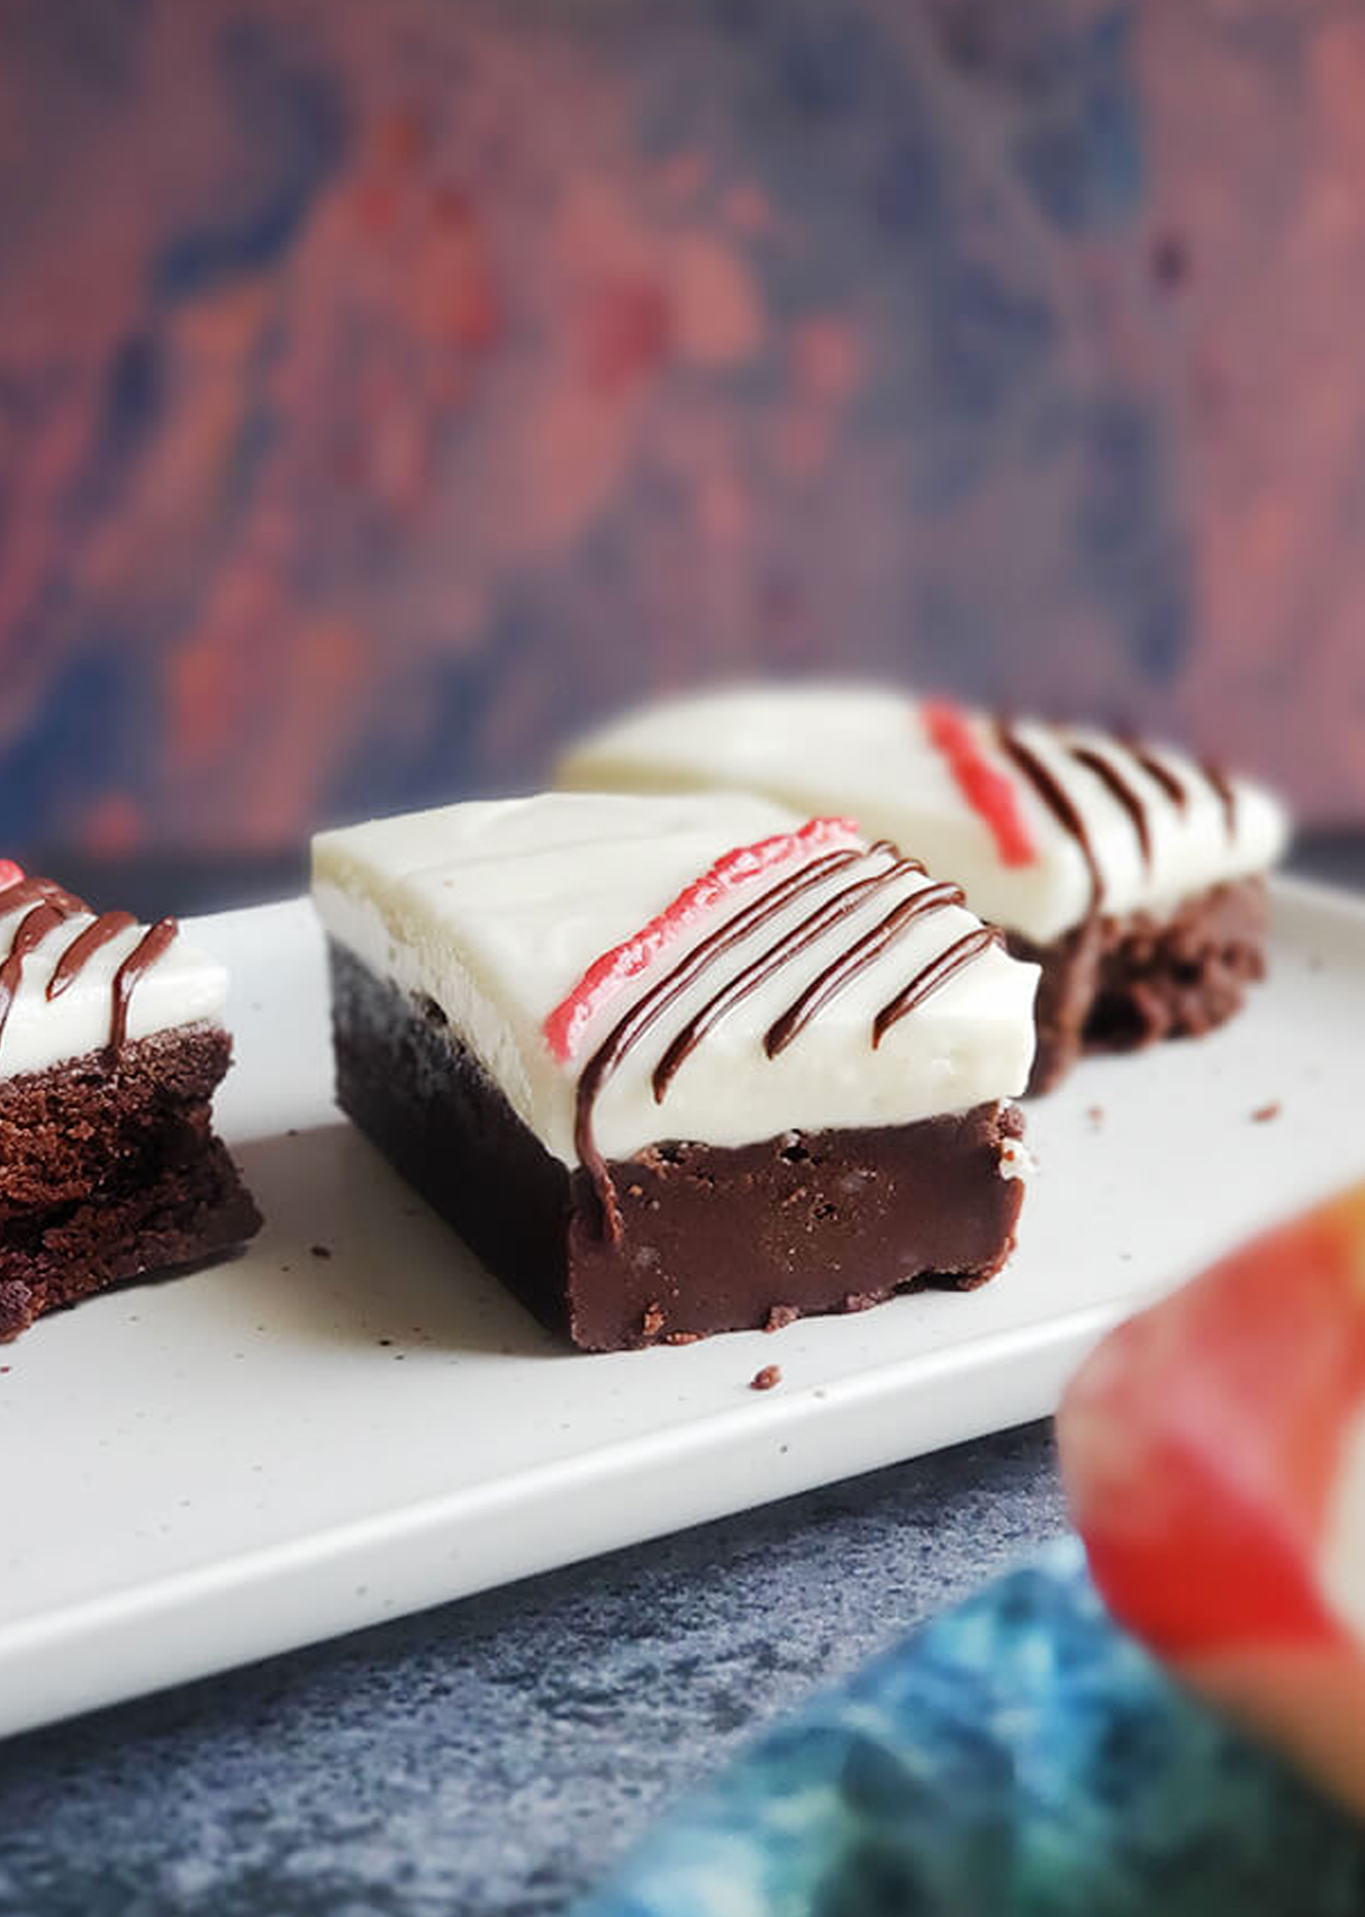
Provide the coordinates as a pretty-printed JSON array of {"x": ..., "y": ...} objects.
[
  {"x": 1226, "y": 791},
  {"x": 1214, "y": 775},
  {"x": 51, "y": 906},
  {"x": 632, "y": 1027},
  {"x": 1057, "y": 800},
  {"x": 81, "y": 950},
  {"x": 156, "y": 941},
  {"x": 867, "y": 950},
  {"x": 1069, "y": 816},
  {"x": 960, "y": 954},
  {"x": 1165, "y": 775},
  {"x": 31, "y": 930},
  {"x": 629, "y": 1029},
  {"x": 790, "y": 946},
  {"x": 41, "y": 891},
  {"x": 1127, "y": 795}
]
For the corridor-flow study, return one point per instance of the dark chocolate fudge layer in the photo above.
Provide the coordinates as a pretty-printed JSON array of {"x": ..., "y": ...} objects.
[
  {"x": 1117, "y": 984},
  {"x": 714, "y": 1239},
  {"x": 109, "y": 1170}
]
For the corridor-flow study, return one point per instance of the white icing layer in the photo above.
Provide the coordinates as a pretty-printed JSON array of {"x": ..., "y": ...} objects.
[
  {"x": 1342, "y": 1565},
  {"x": 183, "y": 987},
  {"x": 866, "y": 752},
  {"x": 495, "y": 910}
]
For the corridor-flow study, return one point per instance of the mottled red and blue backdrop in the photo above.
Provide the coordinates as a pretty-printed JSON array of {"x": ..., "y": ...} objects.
[{"x": 387, "y": 385}]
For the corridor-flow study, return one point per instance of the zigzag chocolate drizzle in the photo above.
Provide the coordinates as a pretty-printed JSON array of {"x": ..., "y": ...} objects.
[
  {"x": 746, "y": 923},
  {"x": 51, "y": 906}
]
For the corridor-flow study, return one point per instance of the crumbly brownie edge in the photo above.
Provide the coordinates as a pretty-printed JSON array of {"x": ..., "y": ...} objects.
[
  {"x": 1118, "y": 984},
  {"x": 715, "y": 1239},
  {"x": 66, "y": 1131},
  {"x": 132, "y": 1228}
]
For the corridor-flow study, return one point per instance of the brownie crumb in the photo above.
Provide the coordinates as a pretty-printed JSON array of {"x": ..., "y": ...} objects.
[
  {"x": 1264, "y": 1113},
  {"x": 780, "y": 1317},
  {"x": 1096, "y": 1115},
  {"x": 653, "y": 1320},
  {"x": 860, "y": 1301},
  {"x": 682, "y": 1338},
  {"x": 322, "y": 1251},
  {"x": 1119, "y": 984},
  {"x": 765, "y": 1380}
]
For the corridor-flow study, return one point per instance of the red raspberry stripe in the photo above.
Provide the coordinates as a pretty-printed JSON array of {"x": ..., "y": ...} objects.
[
  {"x": 989, "y": 791},
  {"x": 568, "y": 1023}
]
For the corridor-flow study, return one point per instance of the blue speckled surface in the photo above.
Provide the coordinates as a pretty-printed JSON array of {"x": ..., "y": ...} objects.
[
  {"x": 1021, "y": 1757},
  {"x": 498, "y": 1755}
]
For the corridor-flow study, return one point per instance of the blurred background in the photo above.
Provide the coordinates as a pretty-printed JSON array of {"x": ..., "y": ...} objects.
[{"x": 388, "y": 387}]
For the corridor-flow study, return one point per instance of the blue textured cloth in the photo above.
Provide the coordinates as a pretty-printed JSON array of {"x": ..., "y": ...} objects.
[{"x": 1020, "y": 1755}]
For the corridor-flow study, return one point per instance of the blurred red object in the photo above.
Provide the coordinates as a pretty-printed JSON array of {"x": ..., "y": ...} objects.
[{"x": 1214, "y": 1451}]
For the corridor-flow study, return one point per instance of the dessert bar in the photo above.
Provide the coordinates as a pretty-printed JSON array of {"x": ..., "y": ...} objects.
[
  {"x": 680, "y": 1065},
  {"x": 1132, "y": 874},
  {"x": 112, "y": 1043}
]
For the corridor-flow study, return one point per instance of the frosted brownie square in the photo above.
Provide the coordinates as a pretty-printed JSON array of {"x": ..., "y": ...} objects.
[
  {"x": 112, "y": 1043},
  {"x": 681, "y": 1065},
  {"x": 1132, "y": 874}
]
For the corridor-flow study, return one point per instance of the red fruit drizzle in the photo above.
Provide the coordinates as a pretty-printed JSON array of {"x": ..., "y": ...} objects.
[
  {"x": 10, "y": 873},
  {"x": 986, "y": 789},
  {"x": 568, "y": 1022}
]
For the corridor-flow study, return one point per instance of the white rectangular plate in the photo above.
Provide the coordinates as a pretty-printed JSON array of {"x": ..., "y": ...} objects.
[{"x": 201, "y": 1472}]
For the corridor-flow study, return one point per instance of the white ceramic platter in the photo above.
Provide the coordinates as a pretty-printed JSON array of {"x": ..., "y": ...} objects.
[{"x": 202, "y": 1472}]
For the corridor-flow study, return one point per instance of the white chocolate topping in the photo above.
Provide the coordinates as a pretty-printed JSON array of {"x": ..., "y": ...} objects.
[
  {"x": 496, "y": 911},
  {"x": 869, "y": 752},
  {"x": 181, "y": 987}
]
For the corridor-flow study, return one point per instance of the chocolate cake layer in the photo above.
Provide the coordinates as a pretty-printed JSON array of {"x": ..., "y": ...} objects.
[
  {"x": 109, "y": 1170},
  {"x": 136, "y": 1224},
  {"x": 66, "y": 1130},
  {"x": 714, "y": 1238},
  {"x": 1117, "y": 984}
]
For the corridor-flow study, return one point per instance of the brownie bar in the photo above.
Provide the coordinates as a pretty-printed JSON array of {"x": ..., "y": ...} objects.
[
  {"x": 714, "y": 1239},
  {"x": 1038, "y": 823},
  {"x": 109, "y": 1170},
  {"x": 1116, "y": 984}
]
